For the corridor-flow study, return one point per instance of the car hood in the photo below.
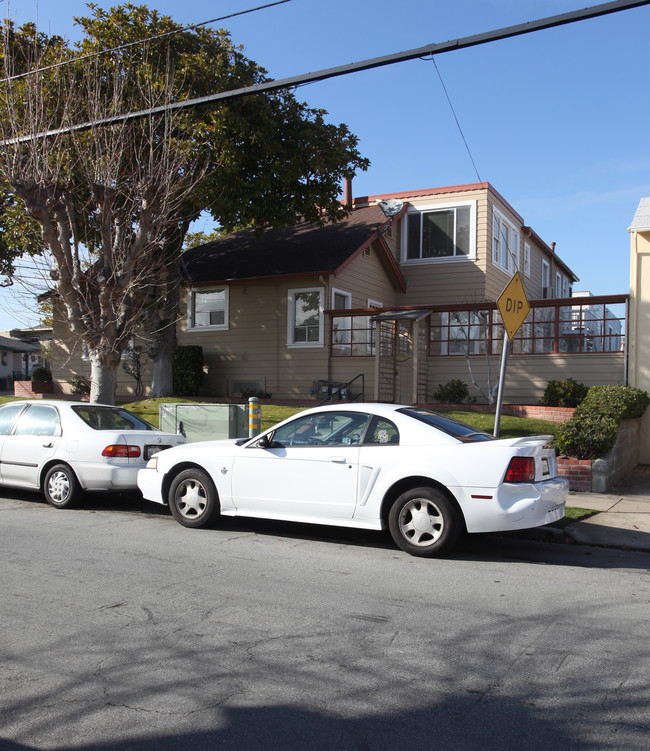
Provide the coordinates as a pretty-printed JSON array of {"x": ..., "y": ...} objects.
[{"x": 225, "y": 447}]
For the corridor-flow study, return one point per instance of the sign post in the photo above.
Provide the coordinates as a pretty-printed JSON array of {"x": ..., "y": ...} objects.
[{"x": 514, "y": 307}]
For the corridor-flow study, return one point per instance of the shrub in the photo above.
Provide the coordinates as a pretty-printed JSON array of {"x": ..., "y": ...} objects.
[
  {"x": 248, "y": 393},
  {"x": 453, "y": 392},
  {"x": 589, "y": 437},
  {"x": 80, "y": 385},
  {"x": 41, "y": 374},
  {"x": 565, "y": 393},
  {"x": 621, "y": 402},
  {"x": 592, "y": 430},
  {"x": 187, "y": 370}
]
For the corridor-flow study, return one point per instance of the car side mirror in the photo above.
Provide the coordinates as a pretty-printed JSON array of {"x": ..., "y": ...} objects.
[
  {"x": 263, "y": 442},
  {"x": 267, "y": 442}
]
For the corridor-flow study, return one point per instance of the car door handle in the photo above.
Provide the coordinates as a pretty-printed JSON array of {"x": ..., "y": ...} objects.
[
  {"x": 48, "y": 445},
  {"x": 338, "y": 459}
]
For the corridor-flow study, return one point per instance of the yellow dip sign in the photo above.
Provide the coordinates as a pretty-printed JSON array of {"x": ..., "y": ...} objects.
[{"x": 513, "y": 305}]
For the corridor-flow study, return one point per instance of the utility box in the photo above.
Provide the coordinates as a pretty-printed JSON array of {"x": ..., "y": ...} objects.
[{"x": 204, "y": 422}]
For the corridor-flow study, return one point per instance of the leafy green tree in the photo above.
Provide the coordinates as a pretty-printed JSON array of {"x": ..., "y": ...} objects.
[{"x": 114, "y": 204}]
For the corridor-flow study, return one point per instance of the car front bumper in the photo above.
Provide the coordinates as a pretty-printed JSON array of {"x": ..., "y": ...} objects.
[{"x": 149, "y": 482}]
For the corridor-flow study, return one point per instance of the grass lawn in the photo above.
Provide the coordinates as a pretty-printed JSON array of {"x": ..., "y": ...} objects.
[
  {"x": 511, "y": 427},
  {"x": 573, "y": 514}
]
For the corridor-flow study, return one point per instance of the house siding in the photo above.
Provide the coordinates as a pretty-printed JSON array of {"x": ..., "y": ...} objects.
[
  {"x": 365, "y": 279},
  {"x": 528, "y": 375}
]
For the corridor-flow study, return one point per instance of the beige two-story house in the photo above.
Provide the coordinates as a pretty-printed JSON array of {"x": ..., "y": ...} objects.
[
  {"x": 268, "y": 311},
  {"x": 387, "y": 304}
]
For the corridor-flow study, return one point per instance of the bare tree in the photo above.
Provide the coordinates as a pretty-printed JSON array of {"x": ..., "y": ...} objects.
[
  {"x": 106, "y": 198},
  {"x": 480, "y": 319},
  {"x": 114, "y": 204}
]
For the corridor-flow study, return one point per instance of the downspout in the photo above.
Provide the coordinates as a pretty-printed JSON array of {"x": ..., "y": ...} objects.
[{"x": 327, "y": 334}]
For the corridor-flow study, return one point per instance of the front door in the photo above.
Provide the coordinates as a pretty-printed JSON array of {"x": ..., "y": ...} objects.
[{"x": 308, "y": 471}]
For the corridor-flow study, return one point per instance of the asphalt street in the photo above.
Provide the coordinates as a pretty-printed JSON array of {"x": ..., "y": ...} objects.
[{"x": 122, "y": 630}]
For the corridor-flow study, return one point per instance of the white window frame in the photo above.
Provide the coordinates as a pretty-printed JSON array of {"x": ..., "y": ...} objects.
[
  {"x": 341, "y": 339},
  {"x": 558, "y": 284},
  {"x": 546, "y": 275},
  {"x": 291, "y": 311},
  {"x": 370, "y": 303},
  {"x": 342, "y": 293},
  {"x": 432, "y": 207},
  {"x": 504, "y": 233},
  {"x": 190, "y": 309},
  {"x": 527, "y": 252}
]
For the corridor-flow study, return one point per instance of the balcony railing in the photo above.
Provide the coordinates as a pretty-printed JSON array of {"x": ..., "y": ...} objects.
[{"x": 565, "y": 326}]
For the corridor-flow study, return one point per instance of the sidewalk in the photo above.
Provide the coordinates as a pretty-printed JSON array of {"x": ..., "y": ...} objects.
[{"x": 624, "y": 518}]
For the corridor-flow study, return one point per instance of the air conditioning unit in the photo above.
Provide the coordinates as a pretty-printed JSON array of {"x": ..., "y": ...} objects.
[{"x": 548, "y": 293}]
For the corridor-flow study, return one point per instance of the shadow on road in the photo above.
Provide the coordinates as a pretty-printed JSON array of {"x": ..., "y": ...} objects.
[{"x": 522, "y": 546}]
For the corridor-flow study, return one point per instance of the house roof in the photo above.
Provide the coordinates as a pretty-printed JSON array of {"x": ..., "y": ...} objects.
[
  {"x": 305, "y": 249},
  {"x": 641, "y": 221},
  {"x": 15, "y": 345}
]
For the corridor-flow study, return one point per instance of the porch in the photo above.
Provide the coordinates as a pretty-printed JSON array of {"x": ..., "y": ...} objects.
[{"x": 405, "y": 353}]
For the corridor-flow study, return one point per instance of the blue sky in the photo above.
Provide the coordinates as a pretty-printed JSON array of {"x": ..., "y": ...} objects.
[{"x": 557, "y": 121}]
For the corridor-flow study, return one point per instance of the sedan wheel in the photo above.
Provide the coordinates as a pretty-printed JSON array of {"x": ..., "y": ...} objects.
[
  {"x": 193, "y": 498},
  {"x": 424, "y": 522},
  {"x": 61, "y": 487}
]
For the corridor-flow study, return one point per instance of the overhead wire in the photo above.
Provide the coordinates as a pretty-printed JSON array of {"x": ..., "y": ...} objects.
[
  {"x": 458, "y": 125},
  {"x": 154, "y": 38}
]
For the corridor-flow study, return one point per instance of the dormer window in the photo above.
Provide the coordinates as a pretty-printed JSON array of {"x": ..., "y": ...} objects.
[{"x": 441, "y": 232}]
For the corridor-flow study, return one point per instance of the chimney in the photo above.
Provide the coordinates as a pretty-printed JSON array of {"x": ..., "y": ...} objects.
[
  {"x": 553, "y": 247},
  {"x": 347, "y": 196}
]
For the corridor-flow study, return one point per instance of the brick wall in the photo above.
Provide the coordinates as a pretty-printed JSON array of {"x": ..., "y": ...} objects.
[
  {"x": 537, "y": 412},
  {"x": 577, "y": 472},
  {"x": 534, "y": 411}
]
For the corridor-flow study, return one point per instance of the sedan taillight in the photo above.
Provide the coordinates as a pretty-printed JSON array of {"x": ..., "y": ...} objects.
[
  {"x": 122, "y": 450},
  {"x": 521, "y": 469}
]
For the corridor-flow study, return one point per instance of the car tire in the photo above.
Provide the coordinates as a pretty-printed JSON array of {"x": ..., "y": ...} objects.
[
  {"x": 424, "y": 522},
  {"x": 193, "y": 498},
  {"x": 61, "y": 487}
]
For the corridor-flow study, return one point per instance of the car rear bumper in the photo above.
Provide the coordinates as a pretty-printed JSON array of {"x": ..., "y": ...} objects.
[
  {"x": 513, "y": 506},
  {"x": 108, "y": 477}
]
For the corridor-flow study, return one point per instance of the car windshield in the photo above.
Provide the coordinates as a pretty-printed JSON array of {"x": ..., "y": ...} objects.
[
  {"x": 460, "y": 430},
  {"x": 111, "y": 418}
]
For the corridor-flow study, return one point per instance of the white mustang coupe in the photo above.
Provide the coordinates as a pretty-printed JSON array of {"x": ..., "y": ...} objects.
[{"x": 425, "y": 476}]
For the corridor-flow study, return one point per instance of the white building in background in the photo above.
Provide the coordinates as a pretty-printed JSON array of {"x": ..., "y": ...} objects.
[{"x": 601, "y": 329}]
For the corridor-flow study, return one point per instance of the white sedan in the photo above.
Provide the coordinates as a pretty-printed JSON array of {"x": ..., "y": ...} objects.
[
  {"x": 425, "y": 476},
  {"x": 64, "y": 448}
]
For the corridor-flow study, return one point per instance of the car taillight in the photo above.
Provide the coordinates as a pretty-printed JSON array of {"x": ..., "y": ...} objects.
[
  {"x": 521, "y": 469},
  {"x": 121, "y": 450}
]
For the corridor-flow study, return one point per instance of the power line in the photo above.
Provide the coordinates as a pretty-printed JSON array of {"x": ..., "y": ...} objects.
[
  {"x": 154, "y": 38},
  {"x": 342, "y": 70},
  {"x": 453, "y": 112}
]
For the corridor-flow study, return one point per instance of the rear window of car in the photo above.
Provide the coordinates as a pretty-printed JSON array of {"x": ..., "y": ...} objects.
[
  {"x": 8, "y": 416},
  {"x": 108, "y": 418},
  {"x": 456, "y": 428}
]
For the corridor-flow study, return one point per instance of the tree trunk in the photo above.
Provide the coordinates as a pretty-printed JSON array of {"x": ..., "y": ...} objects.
[
  {"x": 103, "y": 379},
  {"x": 161, "y": 334},
  {"x": 161, "y": 381}
]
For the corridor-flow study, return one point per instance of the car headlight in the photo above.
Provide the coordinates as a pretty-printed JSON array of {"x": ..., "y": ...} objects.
[{"x": 152, "y": 463}]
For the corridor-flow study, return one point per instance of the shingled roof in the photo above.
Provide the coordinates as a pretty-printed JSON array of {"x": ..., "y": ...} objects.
[{"x": 304, "y": 249}]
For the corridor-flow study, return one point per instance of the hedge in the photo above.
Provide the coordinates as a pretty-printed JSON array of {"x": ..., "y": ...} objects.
[{"x": 592, "y": 430}]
